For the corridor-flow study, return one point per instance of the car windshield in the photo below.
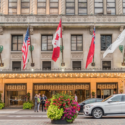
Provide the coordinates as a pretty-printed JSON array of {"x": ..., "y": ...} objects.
[{"x": 107, "y": 98}]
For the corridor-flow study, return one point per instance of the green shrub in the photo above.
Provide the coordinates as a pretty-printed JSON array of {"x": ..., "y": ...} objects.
[
  {"x": 28, "y": 105},
  {"x": 54, "y": 112},
  {"x": 1, "y": 105}
]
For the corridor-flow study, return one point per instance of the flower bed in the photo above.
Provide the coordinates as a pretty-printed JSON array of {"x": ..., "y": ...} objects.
[{"x": 62, "y": 106}]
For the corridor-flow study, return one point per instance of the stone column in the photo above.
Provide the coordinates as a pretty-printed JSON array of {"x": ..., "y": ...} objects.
[
  {"x": 76, "y": 7},
  {"x": 6, "y": 7},
  {"x": 35, "y": 7},
  {"x": 120, "y": 7},
  {"x": 47, "y": 7},
  {"x": 30, "y": 88},
  {"x": 18, "y": 7},
  {"x": 93, "y": 86},
  {"x": 59, "y": 7},
  {"x": 104, "y": 7},
  {"x": 90, "y": 7},
  {"x": 63, "y": 7}
]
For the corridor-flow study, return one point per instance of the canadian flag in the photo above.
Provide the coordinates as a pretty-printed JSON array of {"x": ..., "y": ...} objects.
[{"x": 56, "y": 42}]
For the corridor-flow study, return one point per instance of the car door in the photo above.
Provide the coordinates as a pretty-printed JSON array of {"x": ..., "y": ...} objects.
[
  {"x": 123, "y": 104},
  {"x": 114, "y": 105}
]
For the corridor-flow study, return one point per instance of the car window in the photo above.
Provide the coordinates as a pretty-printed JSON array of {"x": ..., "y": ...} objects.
[
  {"x": 98, "y": 100},
  {"x": 117, "y": 98},
  {"x": 123, "y": 98},
  {"x": 106, "y": 98},
  {"x": 90, "y": 101}
]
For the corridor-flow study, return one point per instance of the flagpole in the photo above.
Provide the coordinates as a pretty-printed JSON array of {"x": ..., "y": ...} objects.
[
  {"x": 32, "y": 64},
  {"x": 62, "y": 64}
]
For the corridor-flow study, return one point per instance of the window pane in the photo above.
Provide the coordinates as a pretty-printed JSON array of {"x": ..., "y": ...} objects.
[
  {"x": 98, "y": 7},
  {"x": 46, "y": 65},
  {"x": 82, "y": 5},
  {"x": 106, "y": 41},
  {"x": 47, "y": 43},
  {"x": 54, "y": 7},
  {"x": 76, "y": 65},
  {"x": 111, "y": 7},
  {"x": 117, "y": 98},
  {"x": 41, "y": 7},
  {"x": 12, "y": 7},
  {"x": 106, "y": 65},
  {"x": 14, "y": 47},
  {"x": 25, "y": 4},
  {"x": 16, "y": 65},
  {"x": 70, "y": 7}
]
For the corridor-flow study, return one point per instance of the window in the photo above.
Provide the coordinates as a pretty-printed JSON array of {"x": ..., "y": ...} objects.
[
  {"x": 98, "y": 6},
  {"x": 76, "y": 43},
  {"x": 90, "y": 101},
  {"x": 54, "y": 7},
  {"x": 99, "y": 100},
  {"x": 46, "y": 65},
  {"x": 82, "y": 5},
  {"x": 12, "y": 7},
  {"x": 17, "y": 42},
  {"x": 106, "y": 41},
  {"x": 25, "y": 4},
  {"x": 47, "y": 43},
  {"x": 41, "y": 7},
  {"x": 106, "y": 65},
  {"x": 117, "y": 98},
  {"x": 123, "y": 98},
  {"x": 70, "y": 7},
  {"x": 123, "y": 6},
  {"x": 16, "y": 65},
  {"x": 111, "y": 7},
  {"x": 76, "y": 65}
]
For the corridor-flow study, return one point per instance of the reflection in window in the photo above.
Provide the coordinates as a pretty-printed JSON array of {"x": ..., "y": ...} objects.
[
  {"x": 54, "y": 7},
  {"x": 106, "y": 41},
  {"x": 76, "y": 65},
  {"x": 46, "y": 65},
  {"x": 76, "y": 43},
  {"x": 41, "y": 7},
  {"x": 70, "y": 7},
  {"x": 16, "y": 65},
  {"x": 111, "y": 7},
  {"x": 47, "y": 43},
  {"x": 25, "y": 7},
  {"x": 117, "y": 98},
  {"x": 82, "y": 5},
  {"x": 17, "y": 42},
  {"x": 106, "y": 65},
  {"x": 123, "y": 6},
  {"x": 98, "y": 6},
  {"x": 12, "y": 7}
]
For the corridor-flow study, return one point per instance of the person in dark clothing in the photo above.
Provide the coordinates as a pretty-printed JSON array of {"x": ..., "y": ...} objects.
[
  {"x": 35, "y": 105},
  {"x": 43, "y": 100}
]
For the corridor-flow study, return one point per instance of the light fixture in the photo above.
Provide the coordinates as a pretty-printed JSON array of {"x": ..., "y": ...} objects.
[
  {"x": 32, "y": 69},
  {"x": 62, "y": 70}
]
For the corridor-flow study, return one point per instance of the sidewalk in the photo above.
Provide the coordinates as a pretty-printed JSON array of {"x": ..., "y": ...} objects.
[{"x": 21, "y": 112}]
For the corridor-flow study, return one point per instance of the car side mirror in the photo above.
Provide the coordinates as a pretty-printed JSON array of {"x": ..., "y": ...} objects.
[
  {"x": 83, "y": 103},
  {"x": 110, "y": 101}
]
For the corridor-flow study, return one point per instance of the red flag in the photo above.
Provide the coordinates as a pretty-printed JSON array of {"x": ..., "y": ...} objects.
[
  {"x": 56, "y": 42},
  {"x": 91, "y": 50}
]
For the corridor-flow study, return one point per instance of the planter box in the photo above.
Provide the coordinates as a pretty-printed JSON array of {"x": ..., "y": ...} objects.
[{"x": 60, "y": 121}]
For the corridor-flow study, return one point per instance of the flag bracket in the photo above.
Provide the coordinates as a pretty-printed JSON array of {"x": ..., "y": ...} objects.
[
  {"x": 93, "y": 64},
  {"x": 1, "y": 49},
  {"x": 32, "y": 64}
]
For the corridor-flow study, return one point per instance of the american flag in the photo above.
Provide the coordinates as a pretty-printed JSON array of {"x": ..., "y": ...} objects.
[{"x": 25, "y": 49}]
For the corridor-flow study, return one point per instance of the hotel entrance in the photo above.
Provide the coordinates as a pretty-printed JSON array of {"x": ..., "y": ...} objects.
[
  {"x": 15, "y": 95},
  {"x": 104, "y": 90},
  {"x": 82, "y": 90}
]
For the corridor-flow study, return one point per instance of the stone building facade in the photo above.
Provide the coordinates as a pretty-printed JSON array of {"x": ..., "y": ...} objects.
[{"x": 78, "y": 19}]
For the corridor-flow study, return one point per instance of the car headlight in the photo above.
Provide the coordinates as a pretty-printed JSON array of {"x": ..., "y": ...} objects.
[{"x": 88, "y": 106}]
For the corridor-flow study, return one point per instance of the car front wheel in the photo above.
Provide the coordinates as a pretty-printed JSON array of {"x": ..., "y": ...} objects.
[{"x": 97, "y": 113}]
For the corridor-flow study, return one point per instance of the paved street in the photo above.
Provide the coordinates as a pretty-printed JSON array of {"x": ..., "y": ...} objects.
[{"x": 28, "y": 117}]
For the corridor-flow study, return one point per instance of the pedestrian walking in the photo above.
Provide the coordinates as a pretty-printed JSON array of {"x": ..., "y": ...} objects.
[
  {"x": 43, "y": 100},
  {"x": 40, "y": 101},
  {"x": 75, "y": 97},
  {"x": 35, "y": 105}
]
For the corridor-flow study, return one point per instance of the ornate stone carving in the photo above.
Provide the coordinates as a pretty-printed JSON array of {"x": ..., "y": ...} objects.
[
  {"x": 16, "y": 56},
  {"x": 120, "y": 8},
  {"x": 91, "y": 6},
  {"x": 107, "y": 86},
  {"x": 46, "y": 56},
  {"x": 121, "y": 28},
  {"x": 1, "y": 30},
  {"x": 91, "y": 30},
  {"x": 77, "y": 56}
]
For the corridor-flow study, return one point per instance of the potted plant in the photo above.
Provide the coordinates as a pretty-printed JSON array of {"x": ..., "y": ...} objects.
[
  {"x": 93, "y": 94},
  {"x": 62, "y": 109},
  {"x": 1, "y": 103},
  {"x": 28, "y": 104}
]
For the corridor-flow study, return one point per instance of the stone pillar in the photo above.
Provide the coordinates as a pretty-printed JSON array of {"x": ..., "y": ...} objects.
[
  {"x": 35, "y": 7},
  {"x": 63, "y": 7},
  {"x": 90, "y": 7},
  {"x": 6, "y": 7},
  {"x": 30, "y": 88},
  {"x": 93, "y": 86},
  {"x": 105, "y": 7},
  {"x": 59, "y": 7},
  {"x": 47, "y": 7},
  {"x": 120, "y": 7},
  {"x": 2, "y": 89},
  {"x": 76, "y": 7},
  {"x": 18, "y": 7}
]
